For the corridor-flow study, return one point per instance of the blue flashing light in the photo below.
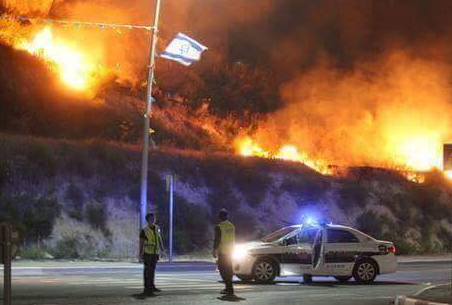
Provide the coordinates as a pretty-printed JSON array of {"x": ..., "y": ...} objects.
[{"x": 309, "y": 220}]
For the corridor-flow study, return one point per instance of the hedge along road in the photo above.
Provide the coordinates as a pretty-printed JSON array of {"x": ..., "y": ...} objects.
[{"x": 198, "y": 283}]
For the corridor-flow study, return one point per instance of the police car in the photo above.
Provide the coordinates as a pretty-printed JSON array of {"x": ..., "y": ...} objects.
[{"x": 315, "y": 250}]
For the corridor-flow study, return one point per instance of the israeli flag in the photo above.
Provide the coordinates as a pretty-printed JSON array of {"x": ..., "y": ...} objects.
[{"x": 184, "y": 49}]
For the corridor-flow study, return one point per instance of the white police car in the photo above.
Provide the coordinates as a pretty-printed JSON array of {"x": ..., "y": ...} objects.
[{"x": 315, "y": 250}]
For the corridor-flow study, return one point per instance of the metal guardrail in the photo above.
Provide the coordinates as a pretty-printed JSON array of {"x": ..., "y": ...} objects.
[{"x": 5, "y": 259}]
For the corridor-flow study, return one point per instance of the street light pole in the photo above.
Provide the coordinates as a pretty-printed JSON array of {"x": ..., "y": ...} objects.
[
  {"x": 171, "y": 216},
  {"x": 147, "y": 116}
]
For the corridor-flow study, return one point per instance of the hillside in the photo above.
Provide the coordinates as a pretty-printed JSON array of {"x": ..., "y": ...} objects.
[
  {"x": 80, "y": 199},
  {"x": 34, "y": 102}
]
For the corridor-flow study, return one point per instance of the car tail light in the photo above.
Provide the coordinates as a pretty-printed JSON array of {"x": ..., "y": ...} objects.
[
  {"x": 391, "y": 249},
  {"x": 387, "y": 249}
]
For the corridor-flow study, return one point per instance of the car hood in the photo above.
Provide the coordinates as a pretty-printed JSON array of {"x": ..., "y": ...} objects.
[{"x": 257, "y": 246}]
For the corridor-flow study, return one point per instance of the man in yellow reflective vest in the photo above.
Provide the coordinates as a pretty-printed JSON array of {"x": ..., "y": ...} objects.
[
  {"x": 223, "y": 247},
  {"x": 150, "y": 246}
]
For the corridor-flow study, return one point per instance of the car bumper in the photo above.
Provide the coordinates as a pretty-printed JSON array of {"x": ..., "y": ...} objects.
[
  {"x": 386, "y": 263},
  {"x": 243, "y": 266}
]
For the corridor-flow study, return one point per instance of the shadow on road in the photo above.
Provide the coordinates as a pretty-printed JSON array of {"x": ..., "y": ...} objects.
[
  {"x": 353, "y": 283},
  {"x": 143, "y": 296},
  {"x": 267, "y": 284},
  {"x": 231, "y": 298}
]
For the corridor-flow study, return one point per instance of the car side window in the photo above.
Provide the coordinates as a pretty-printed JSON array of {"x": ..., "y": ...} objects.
[
  {"x": 291, "y": 241},
  {"x": 307, "y": 236},
  {"x": 340, "y": 236}
]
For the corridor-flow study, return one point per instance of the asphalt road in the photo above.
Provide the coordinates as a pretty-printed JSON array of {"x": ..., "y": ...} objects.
[{"x": 198, "y": 283}]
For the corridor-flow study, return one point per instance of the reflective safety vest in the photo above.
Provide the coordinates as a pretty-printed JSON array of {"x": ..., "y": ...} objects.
[
  {"x": 227, "y": 237},
  {"x": 152, "y": 241}
]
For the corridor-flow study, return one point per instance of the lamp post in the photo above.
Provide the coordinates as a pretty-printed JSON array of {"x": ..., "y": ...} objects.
[
  {"x": 171, "y": 216},
  {"x": 147, "y": 116}
]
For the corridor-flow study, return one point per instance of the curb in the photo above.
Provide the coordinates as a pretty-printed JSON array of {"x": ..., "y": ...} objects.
[
  {"x": 426, "y": 261},
  {"x": 164, "y": 265},
  {"x": 403, "y": 300},
  {"x": 412, "y": 300}
]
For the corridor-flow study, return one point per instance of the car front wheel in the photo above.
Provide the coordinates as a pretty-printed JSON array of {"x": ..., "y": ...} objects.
[
  {"x": 264, "y": 271},
  {"x": 365, "y": 271}
]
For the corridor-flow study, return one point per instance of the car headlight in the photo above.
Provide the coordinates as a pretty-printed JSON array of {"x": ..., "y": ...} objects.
[{"x": 239, "y": 253}]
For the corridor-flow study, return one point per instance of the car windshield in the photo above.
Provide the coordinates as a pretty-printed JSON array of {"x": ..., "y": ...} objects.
[{"x": 278, "y": 234}]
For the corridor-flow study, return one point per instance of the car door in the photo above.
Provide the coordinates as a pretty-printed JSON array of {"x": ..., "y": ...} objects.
[
  {"x": 340, "y": 251},
  {"x": 289, "y": 257},
  {"x": 318, "y": 252},
  {"x": 297, "y": 257}
]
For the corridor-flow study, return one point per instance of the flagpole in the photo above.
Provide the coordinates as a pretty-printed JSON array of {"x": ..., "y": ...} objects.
[{"x": 147, "y": 117}]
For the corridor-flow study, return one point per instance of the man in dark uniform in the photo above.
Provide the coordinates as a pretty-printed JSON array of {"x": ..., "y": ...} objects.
[
  {"x": 150, "y": 246},
  {"x": 222, "y": 249}
]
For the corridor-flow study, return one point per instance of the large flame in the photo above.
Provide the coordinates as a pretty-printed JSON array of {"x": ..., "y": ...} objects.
[
  {"x": 413, "y": 157},
  {"x": 393, "y": 113},
  {"x": 76, "y": 70},
  {"x": 419, "y": 153},
  {"x": 247, "y": 147}
]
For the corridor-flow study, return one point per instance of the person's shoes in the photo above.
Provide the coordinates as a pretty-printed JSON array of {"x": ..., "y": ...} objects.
[
  {"x": 148, "y": 293},
  {"x": 227, "y": 292},
  {"x": 155, "y": 289}
]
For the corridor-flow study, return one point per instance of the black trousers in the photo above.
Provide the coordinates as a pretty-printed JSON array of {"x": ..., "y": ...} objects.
[
  {"x": 226, "y": 271},
  {"x": 150, "y": 262}
]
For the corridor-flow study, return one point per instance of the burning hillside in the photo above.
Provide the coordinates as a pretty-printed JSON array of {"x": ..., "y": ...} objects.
[
  {"x": 79, "y": 64},
  {"x": 341, "y": 103},
  {"x": 392, "y": 113},
  {"x": 75, "y": 69}
]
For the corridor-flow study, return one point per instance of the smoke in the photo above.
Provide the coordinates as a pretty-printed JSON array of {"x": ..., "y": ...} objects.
[
  {"x": 362, "y": 81},
  {"x": 391, "y": 111},
  {"x": 31, "y": 7},
  {"x": 285, "y": 37},
  {"x": 127, "y": 51}
]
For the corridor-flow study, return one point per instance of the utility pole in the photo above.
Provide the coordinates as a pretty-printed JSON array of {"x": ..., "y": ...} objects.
[
  {"x": 5, "y": 259},
  {"x": 171, "y": 216},
  {"x": 147, "y": 117}
]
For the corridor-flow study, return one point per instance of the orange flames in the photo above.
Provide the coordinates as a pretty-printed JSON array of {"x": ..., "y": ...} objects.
[
  {"x": 247, "y": 148},
  {"x": 393, "y": 112},
  {"x": 77, "y": 70},
  {"x": 73, "y": 67},
  {"x": 413, "y": 159},
  {"x": 79, "y": 66}
]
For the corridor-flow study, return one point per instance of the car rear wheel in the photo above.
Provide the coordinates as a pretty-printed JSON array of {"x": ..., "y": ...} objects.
[
  {"x": 244, "y": 278},
  {"x": 343, "y": 279},
  {"x": 365, "y": 271},
  {"x": 264, "y": 271}
]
